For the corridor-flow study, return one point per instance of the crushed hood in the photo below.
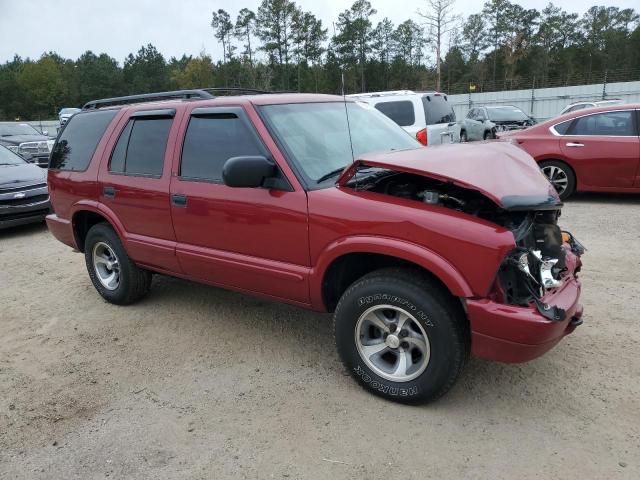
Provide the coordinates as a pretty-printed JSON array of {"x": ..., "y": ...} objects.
[{"x": 501, "y": 171}]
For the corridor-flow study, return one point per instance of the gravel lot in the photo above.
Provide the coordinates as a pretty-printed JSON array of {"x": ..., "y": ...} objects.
[{"x": 196, "y": 382}]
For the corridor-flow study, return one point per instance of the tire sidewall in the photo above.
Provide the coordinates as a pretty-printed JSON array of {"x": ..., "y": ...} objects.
[
  {"x": 425, "y": 308},
  {"x": 104, "y": 233}
]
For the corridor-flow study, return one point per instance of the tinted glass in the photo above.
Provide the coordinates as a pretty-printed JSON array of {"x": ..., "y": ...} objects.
[
  {"x": 400, "y": 112},
  {"x": 472, "y": 114},
  {"x": 78, "y": 141},
  {"x": 437, "y": 110},
  {"x": 140, "y": 147},
  {"x": 562, "y": 128},
  {"x": 116, "y": 164},
  {"x": 609, "y": 123},
  {"x": 210, "y": 141},
  {"x": 317, "y": 135}
]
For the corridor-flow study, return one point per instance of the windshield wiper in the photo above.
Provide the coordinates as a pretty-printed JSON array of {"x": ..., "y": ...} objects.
[{"x": 332, "y": 173}]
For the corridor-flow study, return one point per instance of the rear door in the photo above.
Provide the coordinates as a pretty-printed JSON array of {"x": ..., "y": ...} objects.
[
  {"x": 440, "y": 119},
  {"x": 604, "y": 148},
  {"x": 134, "y": 185},
  {"x": 253, "y": 239}
]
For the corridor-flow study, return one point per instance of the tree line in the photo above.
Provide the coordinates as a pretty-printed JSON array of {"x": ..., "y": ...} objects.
[{"x": 284, "y": 48}]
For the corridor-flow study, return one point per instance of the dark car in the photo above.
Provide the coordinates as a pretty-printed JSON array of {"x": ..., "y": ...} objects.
[
  {"x": 26, "y": 141},
  {"x": 23, "y": 191},
  {"x": 424, "y": 255}
]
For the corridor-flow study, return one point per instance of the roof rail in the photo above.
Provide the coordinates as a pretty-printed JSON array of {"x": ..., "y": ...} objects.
[
  {"x": 235, "y": 90},
  {"x": 147, "y": 97}
]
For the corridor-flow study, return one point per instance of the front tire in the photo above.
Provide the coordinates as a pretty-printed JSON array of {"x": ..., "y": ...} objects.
[
  {"x": 561, "y": 177},
  {"x": 463, "y": 136},
  {"x": 401, "y": 335},
  {"x": 114, "y": 275}
]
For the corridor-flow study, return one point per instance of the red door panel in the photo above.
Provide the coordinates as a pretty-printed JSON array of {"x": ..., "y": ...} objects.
[
  {"x": 143, "y": 208},
  {"x": 603, "y": 161},
  {"x": 252, "y": 239}
]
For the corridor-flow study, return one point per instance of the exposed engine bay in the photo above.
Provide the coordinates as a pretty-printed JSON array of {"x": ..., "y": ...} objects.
[{"x": 536, "y": 265}]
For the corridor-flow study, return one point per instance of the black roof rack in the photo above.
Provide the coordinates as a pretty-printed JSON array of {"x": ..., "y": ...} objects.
[
  {"x": 147, "y": 97},
  {"x": 235, "y": 90}
]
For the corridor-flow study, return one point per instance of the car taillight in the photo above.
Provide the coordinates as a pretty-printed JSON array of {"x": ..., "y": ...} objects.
[{"x": 421, "y": 136}]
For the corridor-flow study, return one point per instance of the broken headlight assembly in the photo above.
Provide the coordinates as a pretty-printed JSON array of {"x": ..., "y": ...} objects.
[{"x": 536, "y": 266}]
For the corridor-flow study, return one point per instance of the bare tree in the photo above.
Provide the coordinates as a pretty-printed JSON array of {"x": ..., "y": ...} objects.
[{"x": 440, "y": 20}]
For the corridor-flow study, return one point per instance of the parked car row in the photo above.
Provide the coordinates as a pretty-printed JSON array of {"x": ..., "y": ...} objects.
[{"x": 26, "y": 141}]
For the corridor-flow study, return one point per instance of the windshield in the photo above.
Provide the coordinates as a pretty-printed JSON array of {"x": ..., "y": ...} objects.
[
  {"x": 7, "y": 157},
  {"x": 316, "y": 135},
  {"x": 9, "y": 129},
  {"x": 505, "y": 114}
]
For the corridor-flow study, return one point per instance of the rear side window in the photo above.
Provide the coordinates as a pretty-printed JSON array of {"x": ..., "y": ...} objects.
[
  {"x": 210, "y": 141},
  {"x": 141, "y": 147},
  {"x": 400, "y": 112},
  {"x": 437, "y": 110},
  {"x": 608, "y": 124},
  {"x": 562, "y": 128},
  {"x": 78, "y": 141}
]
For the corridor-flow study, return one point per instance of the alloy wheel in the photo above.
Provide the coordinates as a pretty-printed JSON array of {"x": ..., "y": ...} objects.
[
  {"x": 106, "y": 265},
  {"x": 392, "y": 343},
  {"x": 557, "y": 176}
]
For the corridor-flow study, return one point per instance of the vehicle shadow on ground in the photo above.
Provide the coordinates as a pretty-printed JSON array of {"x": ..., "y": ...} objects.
[
  {"x": 22, "y": 230},
  {"x": 480, "y": 382},
  {"x": 605, "y": 198}
]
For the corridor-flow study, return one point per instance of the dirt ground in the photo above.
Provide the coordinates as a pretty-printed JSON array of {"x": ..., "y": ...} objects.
[{"x": 196, "y": 382}]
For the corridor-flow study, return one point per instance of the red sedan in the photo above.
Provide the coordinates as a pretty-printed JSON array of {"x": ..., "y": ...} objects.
[{"x": 591, "y": 150}]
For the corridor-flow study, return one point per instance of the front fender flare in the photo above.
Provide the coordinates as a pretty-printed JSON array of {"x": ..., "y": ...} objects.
[{"x": 402, "y": 249}]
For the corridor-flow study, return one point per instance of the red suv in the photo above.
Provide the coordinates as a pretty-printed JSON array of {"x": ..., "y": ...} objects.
[
  {"x": 425, "y": 255},
  {"x": 590, "y": 150}
]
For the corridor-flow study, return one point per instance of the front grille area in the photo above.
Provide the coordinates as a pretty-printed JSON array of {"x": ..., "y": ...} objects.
[
  {"x": 22, "y": 188},
  {"x": 24, "y": 201}
]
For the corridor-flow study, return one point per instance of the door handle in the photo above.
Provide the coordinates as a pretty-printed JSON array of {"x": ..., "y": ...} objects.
[
  {"x": 109, "y": 192},
  {"x": 575, "y": 145},
  {"x": 179, "y": 200}
]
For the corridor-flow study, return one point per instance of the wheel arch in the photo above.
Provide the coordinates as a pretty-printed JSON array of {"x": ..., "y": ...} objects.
[
  {"x": 86, "y": 216},
  {"x": 347, "y": 261}
]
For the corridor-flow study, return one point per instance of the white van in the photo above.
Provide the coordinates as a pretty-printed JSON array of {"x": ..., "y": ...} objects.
[{"x": 427, "y": 115}]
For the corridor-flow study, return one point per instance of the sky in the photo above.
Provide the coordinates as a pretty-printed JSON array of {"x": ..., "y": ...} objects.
[{"x": 118, "y": 27}]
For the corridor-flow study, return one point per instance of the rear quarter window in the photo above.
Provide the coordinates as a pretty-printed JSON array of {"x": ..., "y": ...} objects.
[
  {"x": 78, "y": 141},
  {"x": 400, "y": 112}
]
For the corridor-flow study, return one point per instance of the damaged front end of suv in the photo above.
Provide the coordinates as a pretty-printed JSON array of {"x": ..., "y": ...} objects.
[{"x": 533, "y": 301}]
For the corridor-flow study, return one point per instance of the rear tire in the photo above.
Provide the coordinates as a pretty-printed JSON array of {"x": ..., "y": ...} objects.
[
  {"x": 561, "y": 177},
  {"x": 401, "y": 335},
  {"x": 112, "y": 272}
]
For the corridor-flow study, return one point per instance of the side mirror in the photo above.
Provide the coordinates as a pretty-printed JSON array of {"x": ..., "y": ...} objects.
[
  {"x": 247, "y": 172},
  {"x": 45, "y": 133}
]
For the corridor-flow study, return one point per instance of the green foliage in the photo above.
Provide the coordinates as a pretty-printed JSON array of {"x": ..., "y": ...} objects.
[{"x": 282, "y": 47}]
